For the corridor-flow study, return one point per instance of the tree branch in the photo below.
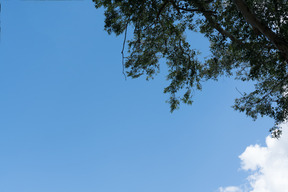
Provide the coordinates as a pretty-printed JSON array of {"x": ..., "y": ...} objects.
[
  {"x": 252, "y": 19},
  {"x": 189, "y": 10},
  {"x": 122, "y": 52},
  {"x": 161, "y": 9},
  {"x": 216, "y": 25},
  {"x": 195, "y": 10},
  {"x": 273, "y": 89}
]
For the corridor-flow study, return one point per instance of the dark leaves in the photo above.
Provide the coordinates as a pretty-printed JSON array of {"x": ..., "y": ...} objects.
[{"x": 237, "y": 48}]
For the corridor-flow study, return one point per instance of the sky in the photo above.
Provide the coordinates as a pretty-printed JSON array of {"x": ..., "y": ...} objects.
[{"x": 69, "y": 121}]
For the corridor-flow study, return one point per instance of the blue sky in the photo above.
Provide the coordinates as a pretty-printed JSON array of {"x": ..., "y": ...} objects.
[{"x": 70, "y": 122}]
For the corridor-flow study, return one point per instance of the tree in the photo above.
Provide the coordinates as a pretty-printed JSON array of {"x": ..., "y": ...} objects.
[{"x": 248, "y": 42}]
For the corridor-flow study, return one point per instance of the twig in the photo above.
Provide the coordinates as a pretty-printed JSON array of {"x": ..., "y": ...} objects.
[
  {"x": 239, "y": 91},
  {"x": 273, "y": 89},
  {"x": 122, "y": 52}
]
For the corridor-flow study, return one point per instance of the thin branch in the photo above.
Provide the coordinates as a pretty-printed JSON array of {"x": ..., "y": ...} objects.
[
  {"x": 175, "y": 6},
  {"x": 195, "y": 10},
  {"x": 122, "y": 52},
  {"x": 158, "y": 16},
  {"x": 178, "y": 8},
  {"x": 161, "y": 9},
  {"x": 217, "y": 26},
  {"x": 273, "y": 89},
  {"x": 239, "y": 91}
]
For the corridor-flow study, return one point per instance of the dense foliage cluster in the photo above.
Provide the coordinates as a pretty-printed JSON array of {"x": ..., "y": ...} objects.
[{"x": 248, "y": 41}]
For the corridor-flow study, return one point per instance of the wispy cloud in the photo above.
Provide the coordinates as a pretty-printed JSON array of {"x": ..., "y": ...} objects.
[{"x": 268, "y": 166}]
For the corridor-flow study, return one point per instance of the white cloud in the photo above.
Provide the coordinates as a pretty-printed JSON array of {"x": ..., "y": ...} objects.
[
  {"x": 230, "y": 189},
  {"x": 268, "y": 166}
]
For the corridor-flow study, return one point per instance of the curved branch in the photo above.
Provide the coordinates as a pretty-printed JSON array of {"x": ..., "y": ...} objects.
[
  {"x": 252, "y": 19},
  {"x": 216, "y": 25}
]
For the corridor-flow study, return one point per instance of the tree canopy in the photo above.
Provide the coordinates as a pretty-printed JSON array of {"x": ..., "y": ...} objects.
[{"x": 248, "y": 42}]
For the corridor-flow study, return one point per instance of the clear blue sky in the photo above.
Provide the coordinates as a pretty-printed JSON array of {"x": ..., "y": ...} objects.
[{"x": 70, "y": 122}]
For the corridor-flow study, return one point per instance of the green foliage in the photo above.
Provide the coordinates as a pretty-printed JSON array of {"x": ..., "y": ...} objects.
[{"x": 239, "y": 48}]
